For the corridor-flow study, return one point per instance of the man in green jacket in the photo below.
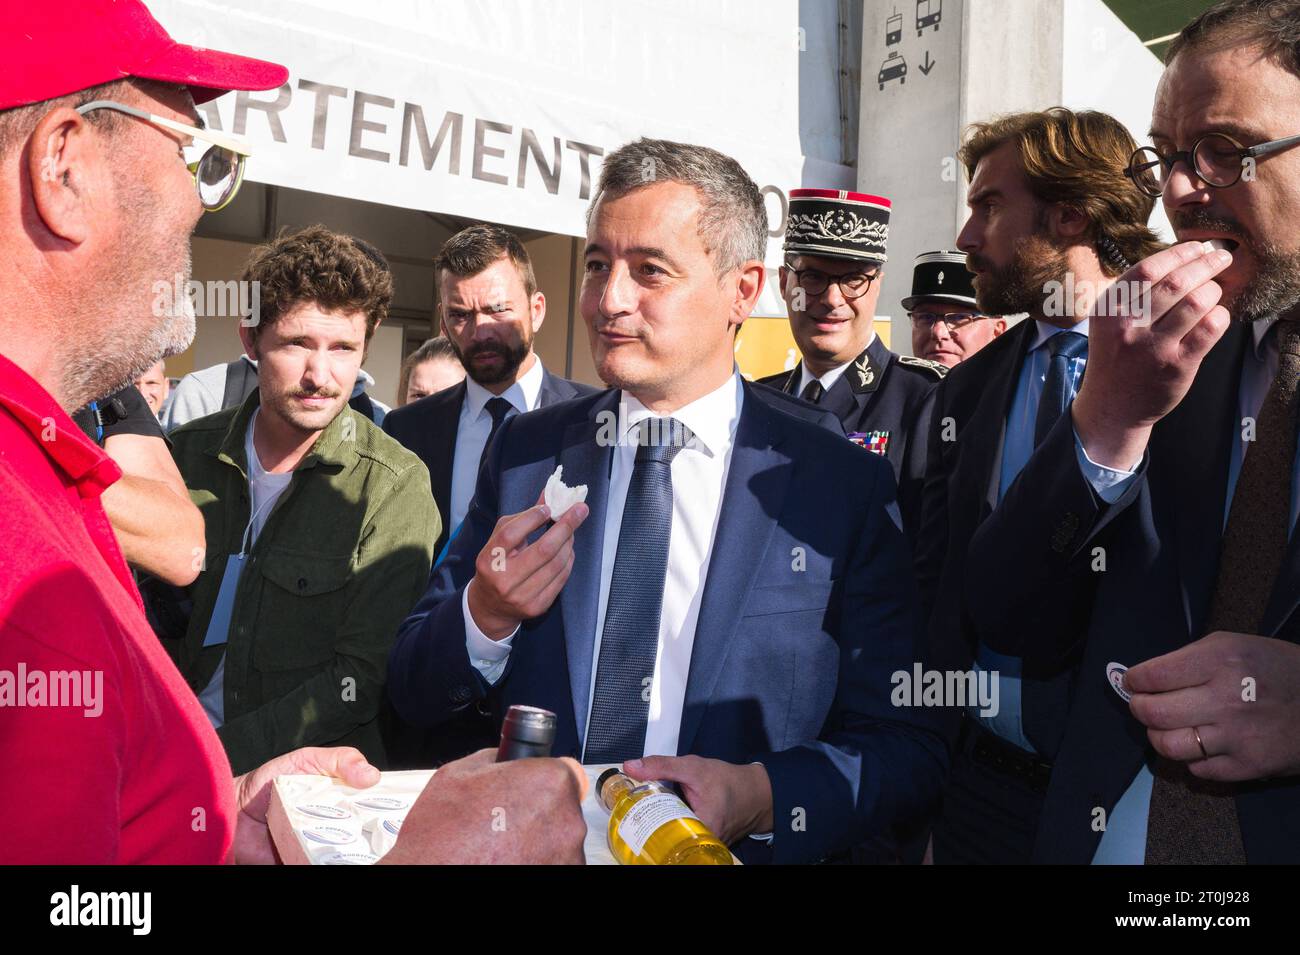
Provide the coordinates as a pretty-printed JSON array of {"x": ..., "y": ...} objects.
[{"x": 319, "y": 527}]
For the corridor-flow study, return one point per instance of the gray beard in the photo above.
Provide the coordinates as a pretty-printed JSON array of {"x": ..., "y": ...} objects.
[
  {"x": 105, "y": 366},
  {"x": 1276, "y": 289}
]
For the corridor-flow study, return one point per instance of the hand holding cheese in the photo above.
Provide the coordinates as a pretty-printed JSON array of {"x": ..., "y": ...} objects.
[
  {"x": 559, "y": 497},
  {"x": 514, "y": 580},
  {"x": 253, "y": 845}
]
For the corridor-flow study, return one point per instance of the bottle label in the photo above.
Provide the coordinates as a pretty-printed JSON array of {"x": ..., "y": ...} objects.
[{"x": 647, "y": 815}]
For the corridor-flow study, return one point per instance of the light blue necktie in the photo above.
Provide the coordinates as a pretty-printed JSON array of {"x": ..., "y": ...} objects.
[{"x": 1065, "y": 347}]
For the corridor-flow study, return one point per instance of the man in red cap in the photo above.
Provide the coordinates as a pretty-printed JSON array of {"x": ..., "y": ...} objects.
[{"x": 115, "y": 761}]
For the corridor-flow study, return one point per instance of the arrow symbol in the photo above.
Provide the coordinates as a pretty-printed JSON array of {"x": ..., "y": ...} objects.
[{"x": 928, "y": 65}]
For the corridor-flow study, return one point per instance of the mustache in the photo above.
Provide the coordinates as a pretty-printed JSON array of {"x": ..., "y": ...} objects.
[
  {"x": 1182, "y": 220},
  {"x": 315, "y": 394},
  {"x": 486, "y": 348}
]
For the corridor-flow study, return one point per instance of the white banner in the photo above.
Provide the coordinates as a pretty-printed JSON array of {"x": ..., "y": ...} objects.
[{"x": 502, "y": 111}]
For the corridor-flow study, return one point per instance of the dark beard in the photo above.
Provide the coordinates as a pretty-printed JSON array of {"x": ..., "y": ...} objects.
[
  {"x": 512, "y": 356},
  {"x": 1022, "y": 285},
  {"x": 1276, "y": 287}
]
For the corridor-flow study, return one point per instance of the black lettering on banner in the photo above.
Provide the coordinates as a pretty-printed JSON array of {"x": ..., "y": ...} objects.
[
  {"x": 481, "y": 128},
  {"x": 452, "y": 123},
  {"x": 550, "y": 174},
  {"x": 320, "y": 115},
  {"x": 361, "y": 125},
  {"x": 244, "y": 102}
]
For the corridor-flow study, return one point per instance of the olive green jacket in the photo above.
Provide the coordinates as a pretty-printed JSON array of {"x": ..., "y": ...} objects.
[{"x": 342, "y": 558}]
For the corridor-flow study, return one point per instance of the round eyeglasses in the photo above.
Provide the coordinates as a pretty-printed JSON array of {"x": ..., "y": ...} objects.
[
  {"x": 218, "y": 171},
  {"x": 1217, "y": 159},
  {"x": 852, "y": 285}
]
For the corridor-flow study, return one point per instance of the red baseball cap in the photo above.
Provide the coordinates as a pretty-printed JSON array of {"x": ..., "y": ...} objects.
[{"x": 53, "y": 48}]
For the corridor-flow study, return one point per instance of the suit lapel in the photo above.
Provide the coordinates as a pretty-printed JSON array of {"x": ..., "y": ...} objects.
[
  {"x": 442, "y": 451},
  {"x": 1190, "y": 451},
  {"x": 844, "y": 403},
  {"x": 548, "y": 394},
  {"x": 756, "y": 485},
  {"x": 587, "y": 460},
  {"x": 987, "y": 428}
]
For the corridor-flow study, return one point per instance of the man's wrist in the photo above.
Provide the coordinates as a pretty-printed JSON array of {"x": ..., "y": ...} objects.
[
  {"x": 1106, "y": 442},
  {"x": 490, "y": 625},
  {"x": 760, "y": 785}
]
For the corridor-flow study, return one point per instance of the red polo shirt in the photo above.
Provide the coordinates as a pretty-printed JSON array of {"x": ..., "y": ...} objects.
[{"x": 105, "y": 754}]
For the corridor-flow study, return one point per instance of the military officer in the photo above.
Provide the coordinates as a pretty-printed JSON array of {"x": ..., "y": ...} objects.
[{"x": 834, "y": 253}]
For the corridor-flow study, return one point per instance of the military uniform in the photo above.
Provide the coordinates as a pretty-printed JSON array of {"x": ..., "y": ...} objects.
[{"x": 883, "y": 401}]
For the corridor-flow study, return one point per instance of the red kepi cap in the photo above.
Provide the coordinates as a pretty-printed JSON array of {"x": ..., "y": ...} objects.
[{"x": 51, "y": 48}]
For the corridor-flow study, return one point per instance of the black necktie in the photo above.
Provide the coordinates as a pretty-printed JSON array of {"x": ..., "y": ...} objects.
[
  {"x": 1191, "y": 820},
  {"x": 812, "y": 391},
  {"x": 498, "y": 408},
  {"x": 1064, "y": 348},
  {"x": 621, "y": 699}
]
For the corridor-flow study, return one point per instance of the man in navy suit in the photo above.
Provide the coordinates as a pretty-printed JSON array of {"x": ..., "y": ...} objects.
[
  {"x": 1187, "y": 569},
  {"x": 491, "y": 309},
  {"x": 728, "y": 607},
  {"x": 1042, "y": 210}
]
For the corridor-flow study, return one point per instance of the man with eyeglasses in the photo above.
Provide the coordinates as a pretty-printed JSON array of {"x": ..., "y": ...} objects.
[
  {"x": 1192, "y": 403},
  {"x": 835, "y": 245},
  {"x": 947, "y": 325},
  {"x": 109, "y": 756}
]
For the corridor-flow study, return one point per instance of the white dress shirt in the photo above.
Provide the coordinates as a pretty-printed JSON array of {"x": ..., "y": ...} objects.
[
  {"x": 828, "y": 380},
  {"x": 699, "y": 474},
  {"x": 473, "y": 430}
]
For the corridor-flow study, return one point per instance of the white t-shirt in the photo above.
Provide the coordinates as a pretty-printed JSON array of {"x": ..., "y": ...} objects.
[{"x": 264, "y": 489}]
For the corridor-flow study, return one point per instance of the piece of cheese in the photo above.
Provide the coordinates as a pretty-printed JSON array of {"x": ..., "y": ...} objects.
[{"x": 559, "y": 497}]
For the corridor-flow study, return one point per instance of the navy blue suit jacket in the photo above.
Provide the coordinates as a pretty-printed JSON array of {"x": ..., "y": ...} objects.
[
  {"x": 429, "y": 426},
  {"x": 808, "y": 608},
  {"x": 1032, "y": 590}
]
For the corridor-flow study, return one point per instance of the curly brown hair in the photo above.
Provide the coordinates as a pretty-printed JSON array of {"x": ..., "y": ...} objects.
[
  {"x": 333, "y": 271},
  {"x": 1077, "y": 159}
]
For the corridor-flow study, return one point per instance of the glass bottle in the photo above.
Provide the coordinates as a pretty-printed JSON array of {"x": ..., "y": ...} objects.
[{"x": 650, "y": 825}]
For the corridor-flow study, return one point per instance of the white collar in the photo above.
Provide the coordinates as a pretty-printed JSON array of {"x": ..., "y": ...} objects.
[
  {"x": 522, "y": 395},
  {"x": 828, "y": 380},
  {"x": 1046, "y": 330},
  {"x": 711, "y": 418}
]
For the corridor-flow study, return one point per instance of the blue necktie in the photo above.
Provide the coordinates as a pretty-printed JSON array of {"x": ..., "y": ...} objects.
[
  {"x": 621, "y": 700},
  {"x": 1065, "y": 347}
]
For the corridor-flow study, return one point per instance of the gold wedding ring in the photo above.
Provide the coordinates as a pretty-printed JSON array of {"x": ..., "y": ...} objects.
[{"x": 1199, "y": 743}]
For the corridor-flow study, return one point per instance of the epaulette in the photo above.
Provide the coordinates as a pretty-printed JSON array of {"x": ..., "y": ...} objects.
[{"x": 938, "y": 369}]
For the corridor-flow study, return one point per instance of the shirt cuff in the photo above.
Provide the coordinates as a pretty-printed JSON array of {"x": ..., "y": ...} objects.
[
  {"x": 486, "y": 655},
  {"x": 1109, "y": 483}
]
